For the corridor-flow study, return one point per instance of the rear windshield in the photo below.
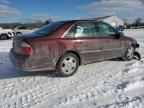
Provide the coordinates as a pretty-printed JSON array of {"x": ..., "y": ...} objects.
[{"x": 47, "y": 29}]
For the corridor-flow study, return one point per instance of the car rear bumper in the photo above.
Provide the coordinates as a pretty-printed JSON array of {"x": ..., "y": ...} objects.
[{"x": 26, "y": 63}]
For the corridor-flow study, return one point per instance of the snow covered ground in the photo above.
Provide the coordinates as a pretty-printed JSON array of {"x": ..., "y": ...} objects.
[{"x": 106, "y": 84}]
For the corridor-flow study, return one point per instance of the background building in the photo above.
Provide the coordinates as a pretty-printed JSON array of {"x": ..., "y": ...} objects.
[{"x": 112, "y": 20}]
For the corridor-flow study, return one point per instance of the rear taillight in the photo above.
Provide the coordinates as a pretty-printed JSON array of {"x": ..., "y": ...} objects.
[{"x": 26, "y": 49}]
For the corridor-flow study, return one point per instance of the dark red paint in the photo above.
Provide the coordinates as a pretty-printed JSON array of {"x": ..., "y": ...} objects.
[{"x": 46, "y": 50}]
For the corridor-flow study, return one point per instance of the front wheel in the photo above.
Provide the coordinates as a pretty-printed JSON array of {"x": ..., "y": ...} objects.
[
  {"x": 67, "y": 65},
  {"x": 129, "y": 54}
]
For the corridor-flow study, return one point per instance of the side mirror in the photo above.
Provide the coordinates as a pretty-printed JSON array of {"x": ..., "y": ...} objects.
[{"x": 119, "y": 35}]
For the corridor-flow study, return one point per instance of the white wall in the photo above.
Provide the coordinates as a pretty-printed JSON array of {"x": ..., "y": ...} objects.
[{"x": 114, "y": 21}]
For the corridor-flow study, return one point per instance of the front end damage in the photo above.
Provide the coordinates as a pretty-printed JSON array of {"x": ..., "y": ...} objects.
[{"x": 136, "y": 53}]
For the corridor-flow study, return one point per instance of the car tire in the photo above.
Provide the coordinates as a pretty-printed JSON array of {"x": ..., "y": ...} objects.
[
  {"x": 67, "y": 65},
  {"x": 129, "y": 54},
  {"x": 3, "y": 37}
]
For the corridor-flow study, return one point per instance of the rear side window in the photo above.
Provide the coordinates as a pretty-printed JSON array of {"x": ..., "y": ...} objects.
[
  {"x": 82, "y": 29},
  {"x": 47, "y": 29},
  {"x": 85, "y": 29}
]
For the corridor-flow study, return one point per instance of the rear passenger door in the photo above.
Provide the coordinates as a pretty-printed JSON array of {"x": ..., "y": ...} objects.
[
  {"x": 112, "y": 46},
  {"x": 87, "y": 43}
]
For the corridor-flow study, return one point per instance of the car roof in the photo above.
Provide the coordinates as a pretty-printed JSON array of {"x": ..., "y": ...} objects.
[{"x": 83, "y": 20}]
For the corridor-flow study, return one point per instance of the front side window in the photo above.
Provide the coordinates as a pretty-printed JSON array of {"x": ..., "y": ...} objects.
[
  {"x": 104, "y": 29},
  {"x": 85, "y": 29}
]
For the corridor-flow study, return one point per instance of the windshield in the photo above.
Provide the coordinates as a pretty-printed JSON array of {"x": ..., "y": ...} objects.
[{"x": 47, "y": 29}]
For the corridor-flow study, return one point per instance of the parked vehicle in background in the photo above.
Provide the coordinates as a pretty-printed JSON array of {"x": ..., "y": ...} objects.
[
  {"x": 6, "y": 33},
  {"x": 64, "y": 45},
  {"x": 133, "y": 26},
  {"x": 23, "y": 30}
]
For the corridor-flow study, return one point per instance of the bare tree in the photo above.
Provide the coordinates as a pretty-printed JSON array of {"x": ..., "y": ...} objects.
[{"x": 137, "y": 22}]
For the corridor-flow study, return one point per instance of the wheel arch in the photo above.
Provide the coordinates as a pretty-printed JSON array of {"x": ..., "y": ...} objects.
[
  {"x": 74, "y": 52},
  {"x": 135, "y": 45}
]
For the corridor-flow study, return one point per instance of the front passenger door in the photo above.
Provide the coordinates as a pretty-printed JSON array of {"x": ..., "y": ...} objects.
[{"x": 112, "y": 46}]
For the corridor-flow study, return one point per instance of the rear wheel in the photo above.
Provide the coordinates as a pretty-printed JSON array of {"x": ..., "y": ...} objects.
[
  {"x": 129, "y": 54},
  {"x": 3, "y": 37},
  {"x": 67, "y": 64}
]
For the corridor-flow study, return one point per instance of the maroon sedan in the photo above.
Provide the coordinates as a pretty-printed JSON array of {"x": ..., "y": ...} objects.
[{"x": 64, "y": 45}]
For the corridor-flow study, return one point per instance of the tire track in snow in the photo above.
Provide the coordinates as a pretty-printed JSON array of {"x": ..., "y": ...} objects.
[
  {"x": 26, "y": 92},
  {"x": 85, "y": 83},
  {"x": 86, "y": 96}
]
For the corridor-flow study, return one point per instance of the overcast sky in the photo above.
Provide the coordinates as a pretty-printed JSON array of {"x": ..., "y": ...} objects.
[{"x": 32, "y": 10}]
